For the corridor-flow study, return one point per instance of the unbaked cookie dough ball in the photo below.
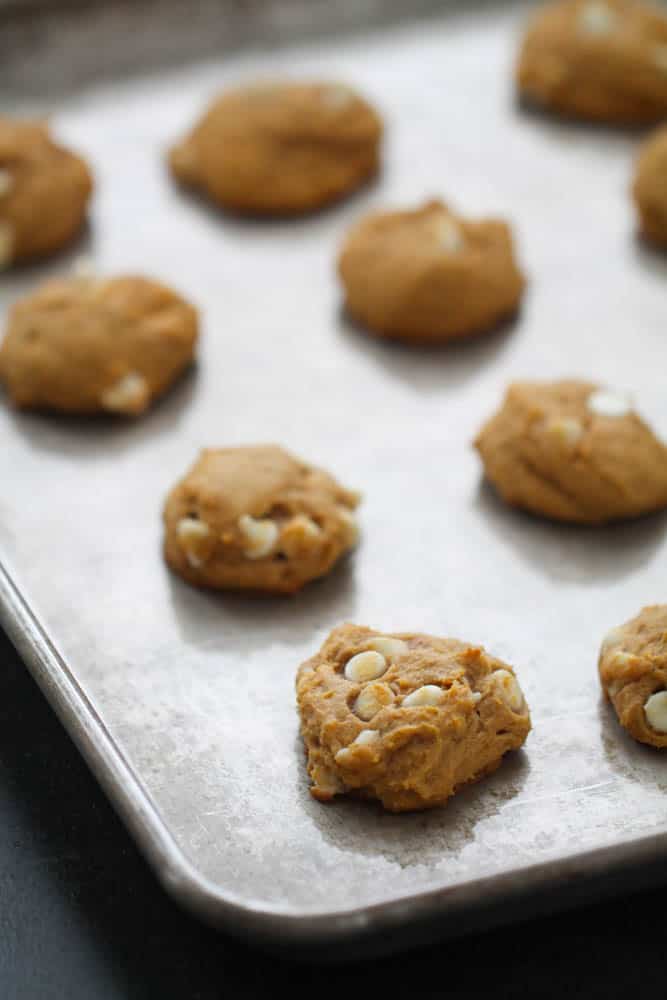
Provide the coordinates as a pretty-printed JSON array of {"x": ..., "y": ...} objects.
[
  {"x": 599, "y": 60},
  {"x": 427, "y": 275},
  {"x": 650, "y": 188},
  {"x": 87, "y": 345},
  {"x": 405, "y": 718},
  {"x": 633, "y": 674},
  {"x": 573, "y": 451},
  {"x": 256, "y": 518},
  {"x": 44, "y": 192},
  {"x": 281, "y": 148}
]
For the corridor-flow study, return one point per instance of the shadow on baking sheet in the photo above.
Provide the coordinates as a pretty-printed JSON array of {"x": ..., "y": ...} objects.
[
  {"x": 99, "y": 436},
  {"x": 244, "y": 624},
  {"x": 626, "y": 756},
  {"x": 575, "y": 553},
  {"x": 430, "y": 367},
  {"x": 413, "y": 838},
  {"x": 650, "y": 256}
]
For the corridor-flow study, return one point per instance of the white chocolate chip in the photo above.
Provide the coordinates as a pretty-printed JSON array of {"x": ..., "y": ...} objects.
[
  {"x": 429, "y": 694},
  {"x": 365, "y": 666},
  {"x": 567, "y": 430},
  {"x": 127, "y": 395},
  {"x": 350, "y": 522},
  {"x": 372, "y": 698},
  {"x": 260, "y": 535},
  {"x": 6, "y": 182},
  {"x": 367, "y": 736},
  {"x": 508, "y": 689},
  {"x": 194, "y": 537},
  {"x": 596, "y": 19},
  {"x": 622, "y": 659},
  {"x": 6, "y": 245},
  {"x": 363, "y": 739},
  {"x": 450, "y": 236},
  {"x": 336, "y": 96},
  {"x": 612, "y": 637},
  {"x": 390, "y": 648},
  {"x": 302, "y": 527},
  {"x": 656, "y": 711},
  {"x": 607, "y": 403},
  {"x": 660, "y": 56},
  {"x": 477, "y": 697}
]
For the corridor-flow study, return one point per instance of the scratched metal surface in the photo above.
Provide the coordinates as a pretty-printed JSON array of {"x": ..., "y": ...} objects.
[{"x": 183, "y": 701}]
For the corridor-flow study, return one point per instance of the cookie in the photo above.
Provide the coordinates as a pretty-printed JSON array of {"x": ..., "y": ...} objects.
[
  {"x": 407, "y": 719},
  {"x": 573, "y": 451},
  {"x": 597, "y": 61},
  {"x": 281, "y": 148},
  {"x": 83, "y": 345},
  {"x": 256, "y": 518},
  {"x": 633, "y": 674},
  {"x": 44, "y": 192},
  {"x": 650, "y": 188},
  {"x": 429, "y": 275}
]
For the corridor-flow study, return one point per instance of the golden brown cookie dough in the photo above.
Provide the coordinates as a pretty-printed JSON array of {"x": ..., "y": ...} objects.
[
  {"x": 407, "y": 719},
  {"x": 650, "y": 188},
  {"x": 44, "y": 192},
  {"x": 600, "y": 60},
  {"x": 281, "y": 148},
  {"x": 84, "y": 345},
  {"x": 573, "y": 451},
  {"x": 633, "y": 674},
  {"x": 256, "y": 518},
  {"x": 429, "y": 275}
]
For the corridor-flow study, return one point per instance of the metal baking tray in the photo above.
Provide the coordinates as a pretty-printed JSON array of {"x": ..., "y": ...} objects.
[{"x": 182, "y": 702}]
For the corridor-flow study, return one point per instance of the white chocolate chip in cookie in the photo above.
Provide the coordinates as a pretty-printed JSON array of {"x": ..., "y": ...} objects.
[
  {"x": 336, "y": 96},
  {"x": 508, "y": 689},
  {"x": 6, "y": 245},
  {"x": 660, "y": 57},
  {"x": 429, "y": 694},
  {"x": 196, "y": 540},
  {"x": 623, "y": 660},
  {"x": 390, "y": 648},
  {"x": 476, "y": 697},
  {"x": 607, "y": 403},
  {"x": 365, "y": 666},
  {"x": 656, "y": 711},
  {"x": 372, "y": 698},
  {"x": 350, "y": 524},
  {"x": 260, "y": 535},
  {"x": 596, "y": 19},
  {"x": 128, "y": 395},
  {"x": 566, "y": 430},
  {"x": 367, "y": 737},
  {"x": 299, "y": 533},
  {"x": 6, "y": 181},
  {"x": 450, "y": 237},
  {"x": 612, "y": 637}
]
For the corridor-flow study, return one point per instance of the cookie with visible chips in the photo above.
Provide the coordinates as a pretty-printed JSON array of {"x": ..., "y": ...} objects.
[
  {"x": 428, "y": 276},
  {"x": 257, "y": 518},
  {"x": 87, "y": 345},
  {"x": 279, "y": 148},
  {"x": 405, "y": 718},
  {"x": 573, "y": 451},
  {"x": 44, "y": 192},
  {"x": 633, "y": 673},
  {"x": 597, "y": 60}
]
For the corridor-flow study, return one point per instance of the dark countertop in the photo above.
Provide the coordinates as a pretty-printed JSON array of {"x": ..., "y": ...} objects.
[{"x": 81, "y": 916}]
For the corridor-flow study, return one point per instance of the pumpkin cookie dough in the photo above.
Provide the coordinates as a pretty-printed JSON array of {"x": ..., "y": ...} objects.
[
  {"x": 599, "y": 60},
  {"x": 573, "y": 451},
  {"x": 429, "y": 275},
  {"x": 650, "y": 188},
  {"x": 407, "y": 719},
  {"x": 83, "y": 345},
  {"x": 256, "y": 518},
  {"x": 44, "y": 192},
  {"x": 633, "y": 673},
  {"x": 281, "y": 148}
]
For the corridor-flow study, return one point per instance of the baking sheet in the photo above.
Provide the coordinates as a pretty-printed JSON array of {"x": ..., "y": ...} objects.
[{"x": 183, "y": 701}]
